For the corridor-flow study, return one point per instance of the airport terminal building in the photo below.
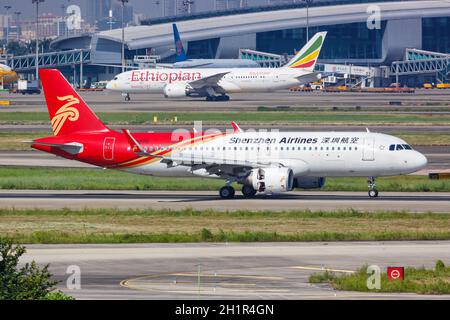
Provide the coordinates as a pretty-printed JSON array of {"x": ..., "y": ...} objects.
[{"x": 361, "y": 33}]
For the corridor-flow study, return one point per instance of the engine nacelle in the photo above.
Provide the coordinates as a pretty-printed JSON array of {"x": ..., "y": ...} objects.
[
  {"x": 309, "y": 182},
  {"x": 175, "y": 90},
  {"x": 269, "y": 180}
]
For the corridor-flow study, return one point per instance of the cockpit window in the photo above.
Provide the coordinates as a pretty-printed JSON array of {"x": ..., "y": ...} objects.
[
  {"x": 394, "y": 147},
  {"x": 115, "y": 78}
]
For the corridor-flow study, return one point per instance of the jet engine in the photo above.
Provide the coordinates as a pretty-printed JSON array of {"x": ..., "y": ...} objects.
[
  {"x": 270, "y": 180},
  {"x": 175, "y": 90},
  {"x": 309, "y": 182}
]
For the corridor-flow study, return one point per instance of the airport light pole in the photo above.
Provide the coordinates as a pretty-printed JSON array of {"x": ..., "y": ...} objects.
[
  {"x": 123, "y": 35},
  {"x": 17, "y": 13},
  {"x": 7, "y": 25},
  {"x": 37, "y": 36},
  {"x": 308, "y": 2}
]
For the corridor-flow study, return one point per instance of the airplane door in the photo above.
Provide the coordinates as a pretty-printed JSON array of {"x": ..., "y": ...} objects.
[
  {"x": 368, "y": 149},
  {"x": 108, "y": 148}
]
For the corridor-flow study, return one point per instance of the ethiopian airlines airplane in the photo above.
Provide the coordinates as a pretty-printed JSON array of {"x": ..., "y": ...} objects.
[
  {"x": 214, "y": 84},
  {"x": 264, "y": 162}
]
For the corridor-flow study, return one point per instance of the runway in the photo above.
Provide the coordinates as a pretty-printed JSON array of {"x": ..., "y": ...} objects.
[
  {"x": 438, "y": 159},
  {"x": 107, "y": 101},
  {"x": 209, "y": 200},
  {"x": 228, "y": 270},
  {"x": 388, "y": 129}
]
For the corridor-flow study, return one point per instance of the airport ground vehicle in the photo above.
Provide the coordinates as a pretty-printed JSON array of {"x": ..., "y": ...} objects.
[
  {"x": 216, "y": 83},
  {"x": 264, "y": 162},
  {"x": 28, "y": 87}
]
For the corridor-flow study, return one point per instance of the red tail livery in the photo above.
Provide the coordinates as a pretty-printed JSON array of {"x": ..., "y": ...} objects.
[{"x": 67, "y": 110}]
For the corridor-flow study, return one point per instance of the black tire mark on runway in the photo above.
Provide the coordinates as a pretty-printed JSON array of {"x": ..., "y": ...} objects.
[{"x": 204, "y": 197}]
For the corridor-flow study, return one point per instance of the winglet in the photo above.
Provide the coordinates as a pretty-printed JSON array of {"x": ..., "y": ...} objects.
[{"x": 235, "y": 127}]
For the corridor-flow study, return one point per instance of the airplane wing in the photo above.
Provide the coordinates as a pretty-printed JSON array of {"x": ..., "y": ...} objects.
[
  {"x": 72, "y": 148},
  {"x": 191, "y": 64},
  {"x": 309, "y": 77},
  {"x": 210, "y": 81}
]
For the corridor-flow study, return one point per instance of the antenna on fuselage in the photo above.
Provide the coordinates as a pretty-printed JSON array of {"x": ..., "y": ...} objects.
[{"x": 367, "y": 129}]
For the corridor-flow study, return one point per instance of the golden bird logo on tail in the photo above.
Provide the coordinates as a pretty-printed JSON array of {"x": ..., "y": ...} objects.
[{"x": 66, "y": 112}]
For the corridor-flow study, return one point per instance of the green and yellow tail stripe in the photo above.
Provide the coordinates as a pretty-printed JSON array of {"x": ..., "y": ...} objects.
[{"x": 307, "y": 57}]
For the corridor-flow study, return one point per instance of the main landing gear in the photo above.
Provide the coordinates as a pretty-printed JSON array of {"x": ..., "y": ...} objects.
[
  {"x": 248, "y": 191},
  {"x": 227, "y": 192},
  {"x": 222, "y": 97},
  {"x": 373, "y": 192}
]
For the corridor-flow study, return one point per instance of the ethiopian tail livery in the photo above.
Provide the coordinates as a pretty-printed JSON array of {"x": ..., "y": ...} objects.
[
  {"x": 216, "y": 83},
  {"x": 264, "y": 162}
]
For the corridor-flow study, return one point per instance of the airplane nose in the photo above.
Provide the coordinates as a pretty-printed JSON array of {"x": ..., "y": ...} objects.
[
  {"x": 109, "y": 85},
  {"x": 419, "y": 161}
]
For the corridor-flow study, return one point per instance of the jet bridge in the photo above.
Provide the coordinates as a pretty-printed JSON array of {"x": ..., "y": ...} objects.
[{"x": 422, "y": 62}]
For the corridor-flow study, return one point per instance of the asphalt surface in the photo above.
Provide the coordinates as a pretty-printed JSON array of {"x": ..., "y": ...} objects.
[
  {"x": 388, "y": 129},
  {"x": 210, "y": 200},
  {"x": 228, "y": 270},
  {"x": 106, "y": 101},
  {"x": 438, "y": 159}
]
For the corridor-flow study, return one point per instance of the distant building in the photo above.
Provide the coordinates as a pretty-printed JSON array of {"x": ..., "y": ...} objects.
[
  {"x": 96, "y": 10},
  {"x": 4, "y": 20}
]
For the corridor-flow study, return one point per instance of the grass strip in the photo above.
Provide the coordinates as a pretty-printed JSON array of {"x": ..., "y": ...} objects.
[
  {"x": 160, "y": 226},
  {"x": 99, "y": 179},
  {"x": 416, "y": 280},
  {"x": 244, "y": 117}
]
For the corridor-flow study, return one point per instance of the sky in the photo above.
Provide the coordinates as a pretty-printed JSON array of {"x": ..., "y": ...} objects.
[{"x": 140, "y": 6}]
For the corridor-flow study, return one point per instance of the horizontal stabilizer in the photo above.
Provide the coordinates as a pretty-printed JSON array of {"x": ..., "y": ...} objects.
[{"x": 72, "y": 147}]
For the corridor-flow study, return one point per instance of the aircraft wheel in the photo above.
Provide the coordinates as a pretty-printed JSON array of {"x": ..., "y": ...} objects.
[
  {"x": 373, "y": 193},
  {"x": 127, "y": 97},
  {"x": 226, "y": 192},
  {"x": 248, "y": 191}
]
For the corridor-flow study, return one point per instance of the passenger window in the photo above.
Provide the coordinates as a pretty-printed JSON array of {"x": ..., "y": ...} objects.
[
  {"x": 392, "y": 147},
  {"x": 399, "y": 147}
]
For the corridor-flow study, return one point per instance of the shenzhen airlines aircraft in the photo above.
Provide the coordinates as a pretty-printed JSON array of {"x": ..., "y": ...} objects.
[
  {"x": 214, "y": 84},
  {"x": 264, "y": 162}
]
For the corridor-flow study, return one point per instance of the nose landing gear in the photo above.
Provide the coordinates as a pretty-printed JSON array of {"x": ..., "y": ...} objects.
[
  {"x": 126, "y": 96},
  {"x": 373, "y": 192}
]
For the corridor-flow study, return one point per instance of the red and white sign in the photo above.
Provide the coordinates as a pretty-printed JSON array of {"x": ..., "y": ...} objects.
[{"x": 395, "y": 273}]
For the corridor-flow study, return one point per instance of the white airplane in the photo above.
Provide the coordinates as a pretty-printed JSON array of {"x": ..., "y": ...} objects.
[
  {"x": 264, "y": 162},
  {"x": 182, "y": 60},
  {"x": 215, "y": 83}
]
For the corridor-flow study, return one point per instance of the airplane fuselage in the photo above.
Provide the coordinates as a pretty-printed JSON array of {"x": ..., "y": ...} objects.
[
  {"x": 236, "y": 80},
  {"x": 314, "y": 154}
]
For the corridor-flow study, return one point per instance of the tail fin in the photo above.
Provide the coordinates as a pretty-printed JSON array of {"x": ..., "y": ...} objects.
[
  {"x": 306, "y": 58},
  {"x": 68, "y": 112},
  {"x": 181, "y": 54}
]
